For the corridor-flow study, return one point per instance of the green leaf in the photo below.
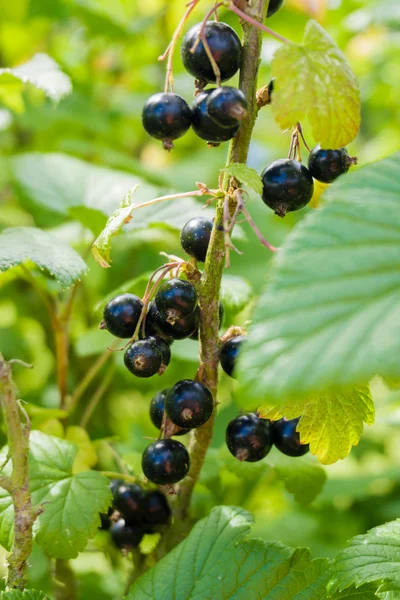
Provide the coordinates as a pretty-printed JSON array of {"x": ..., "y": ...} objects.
[
  {"x": 303, "y": 477},
  {"x": 245, "y": 175},
  {"x": 313, "y": 79},
  {"x": 25, "y": 595},
  {"x": 370, "y": 558},
  {"x": 365, "y": 592},
  {"x": 41, "y": 71},
  {"x": 215, "y": 557},
  {"x": 328, "y": 318},
  {"x": 236, "y": 293},
  {"x": 91, "y": 218},
  {"x": 21, "y": 244},
  {"x": 71, "y": 502}
]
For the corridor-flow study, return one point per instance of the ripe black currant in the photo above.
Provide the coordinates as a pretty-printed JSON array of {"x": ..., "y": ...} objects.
[
  {"x": 273, "y": 7},
  {"x": 121, "y": 315},
  {"x": 224, "y": 45},
  {"x": 126, "y": 536},
  {"x": 287, "y": 186},
  {"x": 163, "y": 347},
  {"x": 189, "y": 403},
  {"x": 227, "y": 106},
  {"x": 166, "y": 116},
  {"x": 128, "y": 499},
  {"x": 157, "y": 411},
  {"x": 327, "y": 165},
  {"x": 181, "y": 329},
  {"x": 221, "y": 314},
  {"x": 204, "y": 126},
  {"x": 249, "y": 438},
  {"x": 143, "y": 358},
  {"x": 195, "y": 237},
  {"x": 156, "y": 509},
  {"x": 165, "y": 462},
  {"x": 229, "y": 354},
  {"x": 176, "y": 298},
  {"x": 287, "y": 439}
]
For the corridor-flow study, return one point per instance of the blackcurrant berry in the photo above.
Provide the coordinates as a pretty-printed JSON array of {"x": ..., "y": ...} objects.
[
  {"x": 176, "y": 298},
  {"x": 165, "y": 462},
  {"x": 229, "y": 354},
  {"x": 166, "y": 116},
  {"x": 224, "y": 45},
  {"x": 157, "y": 411},
  {"x": 128, "y": 499},
  {"x": 163, "y": 347},
  {"x": 143, "y": 358},
  {"x": 156, "y": 509},
  {"x": 273, "y": 7},
  {"x": 195, "y": 237},
  {"x": 221, "y": 314},
  {"x": 189, "y": 403},
  {"x": 227, "y": 106},
  {"x": 249, "y": 438},
  {"x": 126, "y": 536},
  {"x": 287, "y": 186},
  {"x": 327, "y": 165},
  {"x": 181, "y": 329},
  {"x": 105, "y": 522},
  {"x": 287, "y": 439},
  {"x": 203, "y": 125},
  {"x": 121, "y": 315}
]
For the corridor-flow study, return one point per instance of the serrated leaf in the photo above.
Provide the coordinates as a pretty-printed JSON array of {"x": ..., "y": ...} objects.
[
  {"x": 20, "y": 244},
  {"x": 41, "y": 71},
  {"x": 303, "y": 477},
  {"x": 236, "y": 293},
  {"x": 215, "y": 557},
  {"x": 365, "y": 592},
  {"x": 313, "y": 79},
  {"x": 245, "y": 175},
  {"x": 71, "y": 503},
  {"x": 329, "y": 318},
  {"x": 370, "y": 558},
  {"x": 25, "y": 595}
]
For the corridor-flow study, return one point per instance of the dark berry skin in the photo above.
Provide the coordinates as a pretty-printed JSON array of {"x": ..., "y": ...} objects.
[
  {"x": 229, "y": 354},
  {"x": 221, "y": 314},
  {"x": 287, "y": 186},
  {"x": 195, "y": 237},
  {"x": 156, "y": 509},
  {"x": 163, "y": 347},
  {"x": 189, "y": 403},
  {"x": 273, "y": 7},
  {"x": 143, "y": 358},
  {"x": 249, "y": 438},
  {"x": 327, "y": 165},
  {"x": 157, "y": 411},
  {"x": 128, "y": 499},
  {"x": 227, "y": 106},
  {"x": 165, "y": 462},
  {"x": 181, "y": 329},
  {"x": 203, "y": 125},
  {"x": 126, "y": 536},
  {"x": 225, "y": 47},
  {"x": 121, "y": 315},
  {"x": 287, "y": 439},
  {"x": 177, "y": 298},
  {"x": 166, "y": 116}
]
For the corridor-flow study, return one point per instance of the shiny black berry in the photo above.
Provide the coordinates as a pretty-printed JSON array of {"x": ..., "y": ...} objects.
[
  {"x": 157, "y": 411},
  {"x": 128, "y": 499},
  {"x": 273, "y": 7},
  {"x": 121, "y": 315},
  {"x": 229, "y": 354},
  {"x": 221, "y": 314},
  {"x": 126, "y": 536},
  {"x": 249, "y": 438},
  {"x": 176, "y": 298},
  {"x": 195, "y": 237},
  {"x": 166, "y": 116},
  {"x": 327, "y": 165},
  {"x": 179, "y": 330},
  {"x": 156, "y": 509},
  {"x": 224, "y": 45},
  {"x": 143, "y": 358},
  {"x": 165, "y": 462},
  {"x": 227, "y": 106},
  {"x": 203, "y": 125},
  {"x": 287, "y": 186},
  {"x": 287, "y": 439},
  {"x": 189, "y": 403},
  {"x": 164, "y": 348}
]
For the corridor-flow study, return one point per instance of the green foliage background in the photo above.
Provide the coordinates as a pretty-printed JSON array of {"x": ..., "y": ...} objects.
[{"x": 109, "y": 48}]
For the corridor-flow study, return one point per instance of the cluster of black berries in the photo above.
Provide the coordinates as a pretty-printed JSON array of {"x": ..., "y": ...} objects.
[
  {"x": 288, "y": 185},
  {"x": 216, "y": 113},
  {"x": 134, "y": 512}
]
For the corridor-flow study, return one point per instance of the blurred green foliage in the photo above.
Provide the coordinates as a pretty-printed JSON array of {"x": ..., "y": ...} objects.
[{"x": 109, "y": 48}]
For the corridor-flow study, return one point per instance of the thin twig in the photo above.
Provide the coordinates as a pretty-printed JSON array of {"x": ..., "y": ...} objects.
[
  {"x": 97, "y": 396},
  {"x": 252, "y": 224}
]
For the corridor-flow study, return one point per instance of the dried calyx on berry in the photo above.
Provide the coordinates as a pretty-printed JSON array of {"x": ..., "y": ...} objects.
[
  {"x": 328, "y": 165},
  {"x": 287, "y": 186},
  {"x": 227, "y": 106},
  {"x": 249, "y": 438},
  {"x": 182, "y": 328},
  {"x": 176, "y": 298},
  {"x": 166, "y": 116},
  {"x": 189, "y": 403},
  {"x": 156, "y": 412},
  {"x": 204, "y": 126},
  {"x": 143, "y": 358}
]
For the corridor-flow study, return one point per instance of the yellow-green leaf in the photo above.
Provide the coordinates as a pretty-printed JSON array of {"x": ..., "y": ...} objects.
[{"x": 314, "y": 80}]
